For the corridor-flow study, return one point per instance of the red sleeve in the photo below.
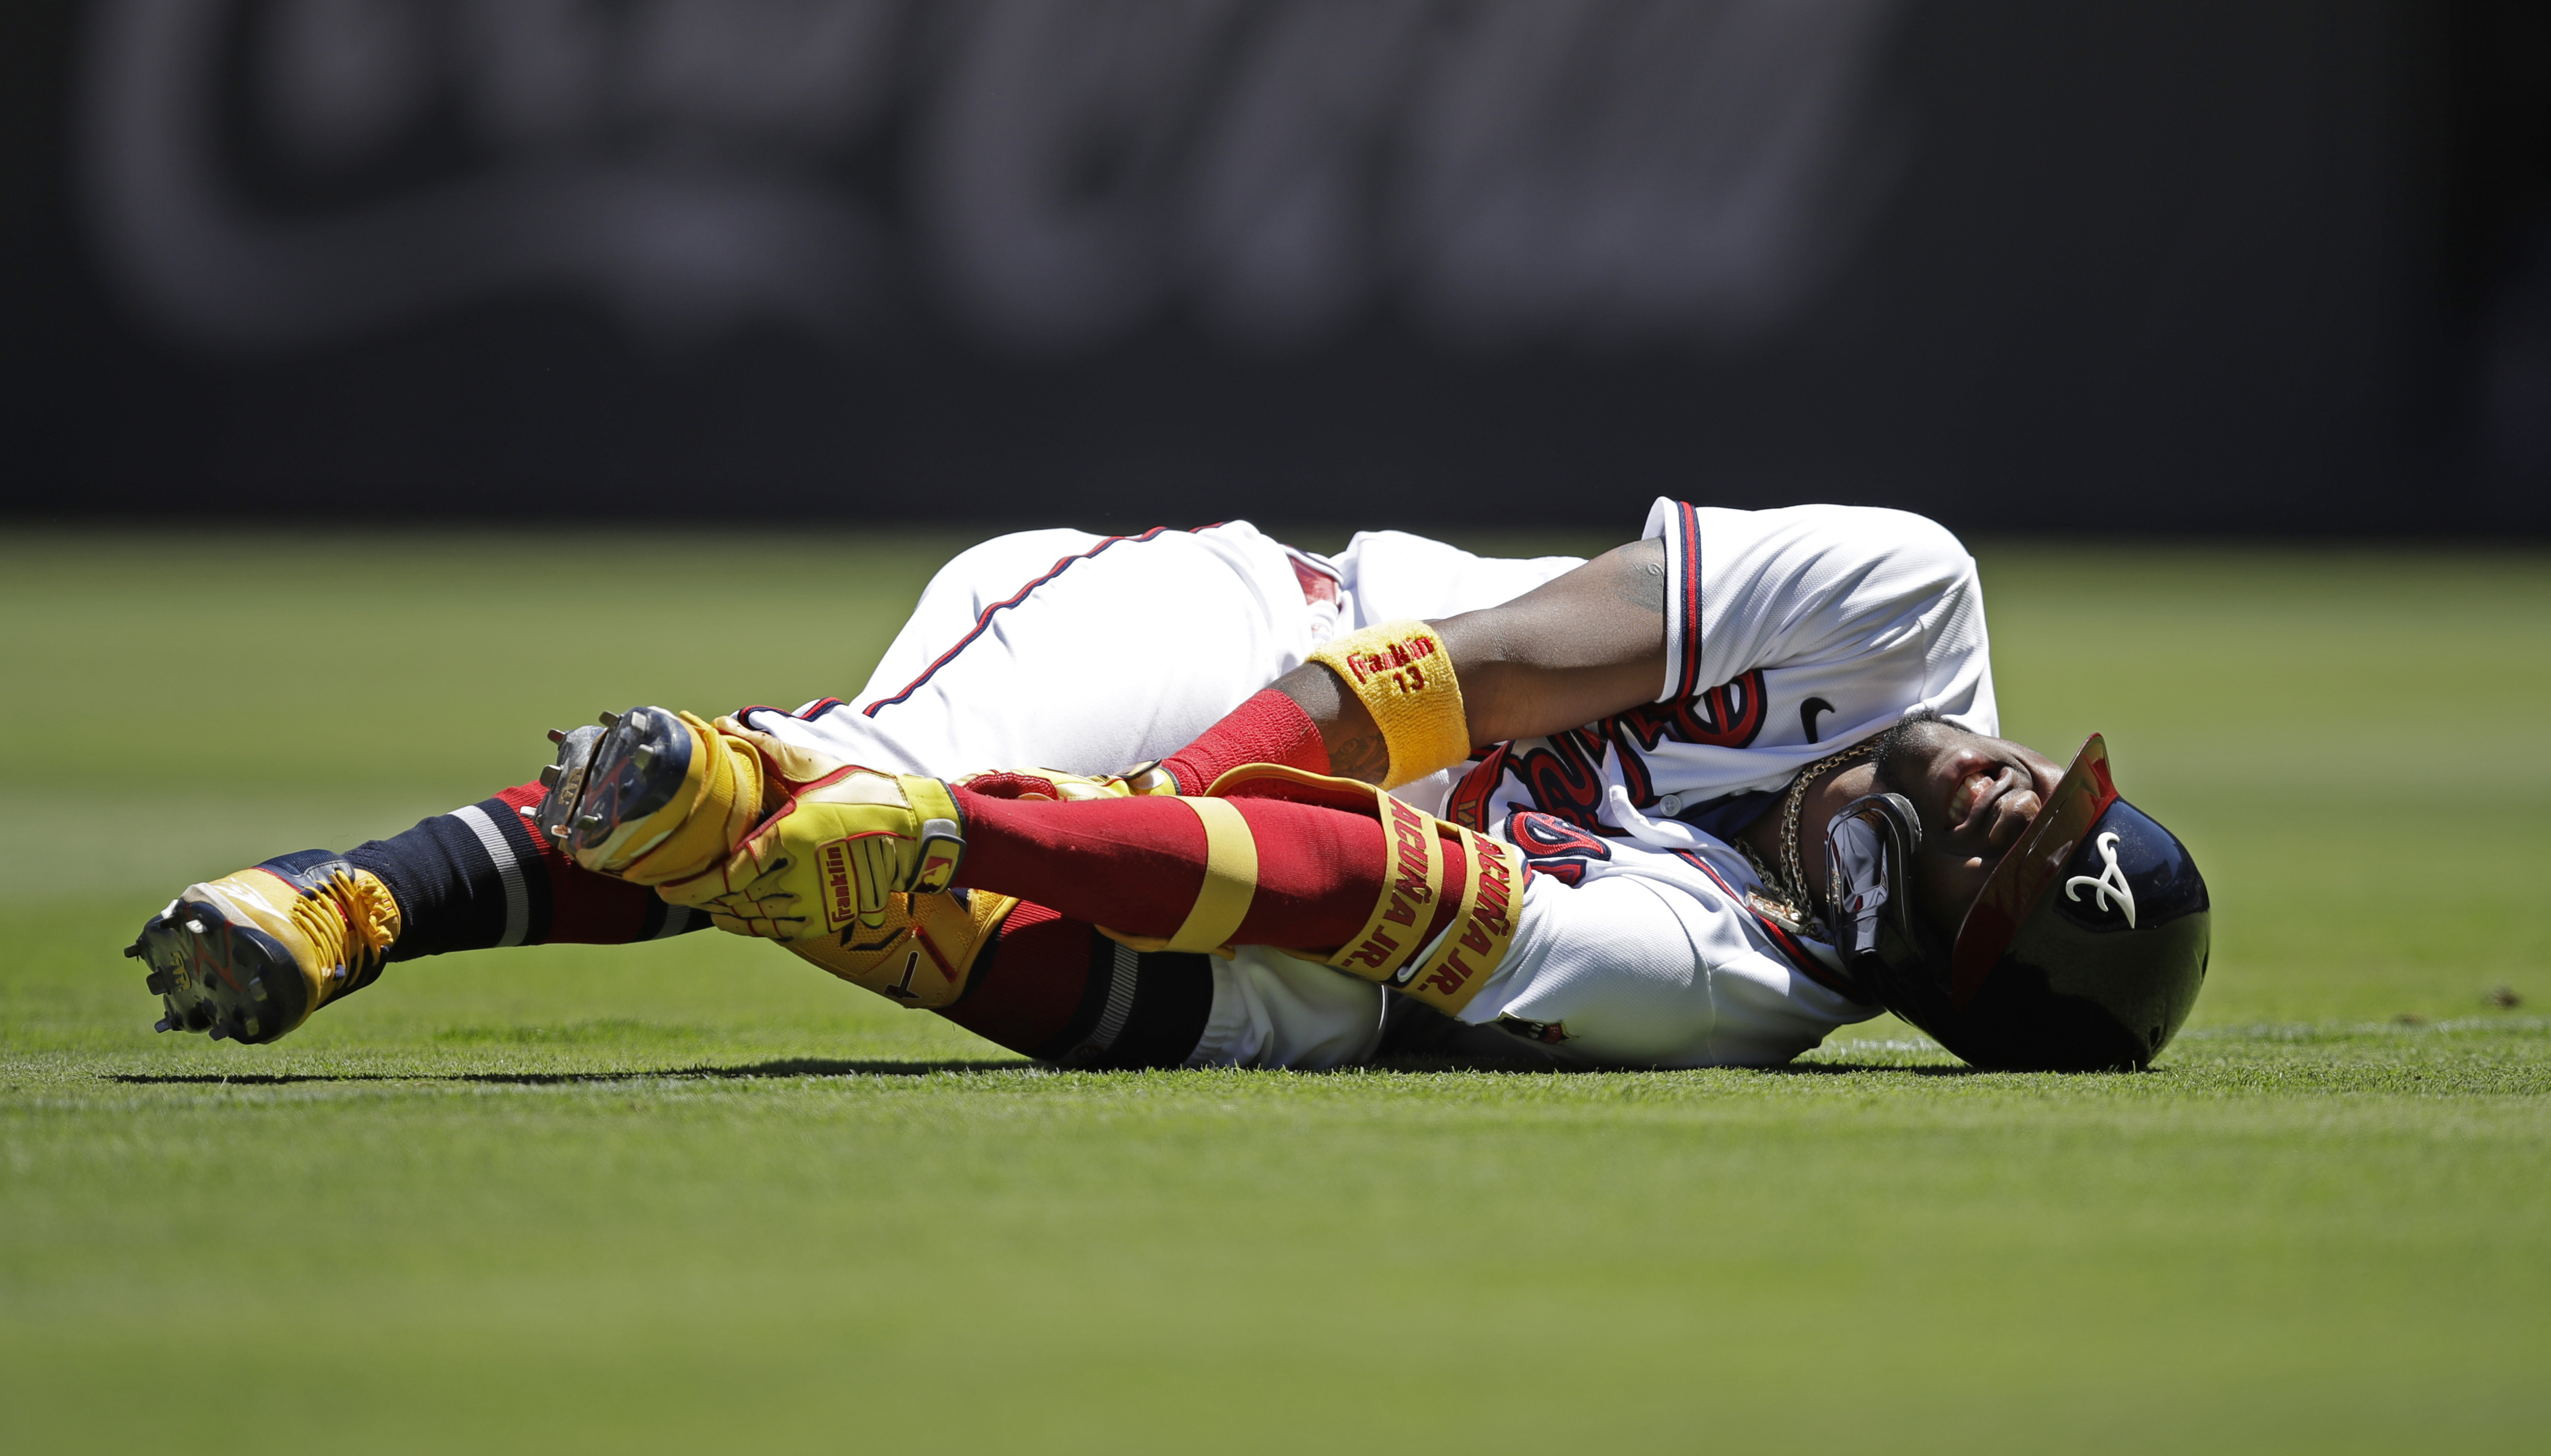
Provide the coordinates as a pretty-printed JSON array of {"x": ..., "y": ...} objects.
[{"x": 1268, "y": 729}]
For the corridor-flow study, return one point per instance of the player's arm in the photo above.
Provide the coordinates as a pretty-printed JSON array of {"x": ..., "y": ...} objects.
[
  {"x": 1580, "y": 648},
  {"x": 1577, "y": 648}
]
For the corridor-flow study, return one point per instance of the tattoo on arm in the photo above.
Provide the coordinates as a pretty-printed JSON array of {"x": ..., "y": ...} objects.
[
  {"x": 1363, "y": 756},
  {"x": 1354, "y": 740}
]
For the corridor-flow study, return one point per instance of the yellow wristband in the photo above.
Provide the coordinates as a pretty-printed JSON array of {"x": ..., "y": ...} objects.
[{"x": 1403, "y": 675}]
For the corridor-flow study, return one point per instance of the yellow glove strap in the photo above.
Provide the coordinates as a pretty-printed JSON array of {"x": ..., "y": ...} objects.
[{"x": 1404, "y": 678}]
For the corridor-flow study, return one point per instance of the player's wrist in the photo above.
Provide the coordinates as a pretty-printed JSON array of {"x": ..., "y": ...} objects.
[
  {"x": 1401, "y": 674},
  {"x": 1270, "y": 727}
]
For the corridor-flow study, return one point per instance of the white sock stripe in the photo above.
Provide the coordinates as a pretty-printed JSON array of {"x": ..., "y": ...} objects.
[
  {"x": 1120, "y": 999},
  {"x": 678, "y": 918},
  {"x": 518, "y": 896}
]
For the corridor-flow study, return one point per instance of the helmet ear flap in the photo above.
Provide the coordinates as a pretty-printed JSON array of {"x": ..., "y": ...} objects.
[
  {"x": 1879, "y": 931},
  {"x": 1869, "y": 854}
]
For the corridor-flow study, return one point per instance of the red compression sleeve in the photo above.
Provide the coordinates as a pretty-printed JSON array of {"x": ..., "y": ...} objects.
[
  {"x": 1037, "y": 970},
  {"x": 1134, "y": 865},
  {"x": 1268, "y": 729},
  {"x": 585, "y": 909}
]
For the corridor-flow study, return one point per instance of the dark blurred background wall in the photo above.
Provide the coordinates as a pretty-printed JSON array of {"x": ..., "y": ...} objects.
[{"x": 2246, "y": 266}]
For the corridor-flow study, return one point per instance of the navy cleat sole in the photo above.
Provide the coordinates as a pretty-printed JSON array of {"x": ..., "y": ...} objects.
[
  {"x": 612, "y": 775},
  {"x": 232, "y": 981}
]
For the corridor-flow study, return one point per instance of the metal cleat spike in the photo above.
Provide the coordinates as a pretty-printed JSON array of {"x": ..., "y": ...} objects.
[
  {"x": 221, "y": 1033},
  {"x": 610, "y": 720},
  {"x": 558, "y": 831},
  {"x": 132, "y": 951},
  {"x": 159, "y": 983},
  {"x": 194, "y": 928},
  {"x": 252, "y": 1027},
  {"x": 549, "y": 776},
  {"x": 558, "y": 735},
  {"x": 592, "y": 822},
  {"x": 644, "y": 755},
  {"x": 163, "y": 1024},
  {"x": 257, "y": 986}
]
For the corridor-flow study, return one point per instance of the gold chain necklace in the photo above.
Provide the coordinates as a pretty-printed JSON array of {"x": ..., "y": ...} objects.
[{"x": 1790, "y": 886}]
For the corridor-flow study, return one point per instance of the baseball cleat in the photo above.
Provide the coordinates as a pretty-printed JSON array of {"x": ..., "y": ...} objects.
[
  {"x": 650, "y": 796},
  {"x": 249, "y": 956}
]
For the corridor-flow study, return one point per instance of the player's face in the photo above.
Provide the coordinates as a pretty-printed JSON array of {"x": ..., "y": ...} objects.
[{"x": 1975, "y": 795}]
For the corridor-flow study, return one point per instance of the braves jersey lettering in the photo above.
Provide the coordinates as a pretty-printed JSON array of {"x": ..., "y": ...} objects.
[
  {"x": 1554, "y": 846},
  {"x": 1566, "y": 774},
  {"x": 1820, "y": 625}
]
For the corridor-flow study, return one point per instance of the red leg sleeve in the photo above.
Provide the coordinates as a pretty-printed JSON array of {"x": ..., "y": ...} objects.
[
  {"x": 1135, "y": 865},
  {"x": 585, "y": 909},
  {"x": 1040, "y": 966}
]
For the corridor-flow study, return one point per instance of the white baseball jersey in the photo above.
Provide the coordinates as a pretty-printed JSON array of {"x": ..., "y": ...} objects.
[{"x": 1789, "y": 633}]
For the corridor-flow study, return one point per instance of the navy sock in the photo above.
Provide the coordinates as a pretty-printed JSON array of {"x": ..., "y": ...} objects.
[{"x": 479, "y": 877}]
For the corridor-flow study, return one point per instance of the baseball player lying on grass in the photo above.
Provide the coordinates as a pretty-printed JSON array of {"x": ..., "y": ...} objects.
[{"x": 1696, "y": 802}]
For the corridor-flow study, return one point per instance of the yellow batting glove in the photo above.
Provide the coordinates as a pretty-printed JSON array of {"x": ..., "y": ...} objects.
[{"x": 832, "y": 856}]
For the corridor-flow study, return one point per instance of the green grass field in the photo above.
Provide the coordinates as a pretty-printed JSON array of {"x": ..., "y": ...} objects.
[{"x": 695, "y": 1196}]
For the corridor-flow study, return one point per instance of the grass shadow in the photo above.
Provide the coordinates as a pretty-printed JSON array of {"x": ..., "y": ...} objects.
[
  {"x": 754, "y": 1071},
  {"x": 1829, "y": 1069},
  {"x": 830, "y": 1067}
]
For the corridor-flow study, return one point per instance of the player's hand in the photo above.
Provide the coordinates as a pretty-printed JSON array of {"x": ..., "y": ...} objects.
[
  {"x": 1053, "y": 784},
  {"x": 832, "y": 856}
]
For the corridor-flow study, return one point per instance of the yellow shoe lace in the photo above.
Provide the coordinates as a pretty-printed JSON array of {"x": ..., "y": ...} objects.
[{"x": 352, "y": 921}]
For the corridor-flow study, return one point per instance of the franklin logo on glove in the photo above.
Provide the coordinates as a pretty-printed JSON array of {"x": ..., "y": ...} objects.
[{"x": 842, "y": 893}]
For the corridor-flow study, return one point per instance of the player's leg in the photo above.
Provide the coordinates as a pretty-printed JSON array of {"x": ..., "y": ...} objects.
[
  {"x": 251, "y": 955},
  {"x": 889, "y": 881},
  {"x": 1013, "y": 622},
  {"x": 1061, "y": 650}
]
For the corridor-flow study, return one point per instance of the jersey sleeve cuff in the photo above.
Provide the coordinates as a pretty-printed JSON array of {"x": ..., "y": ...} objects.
[{"x": 1677, "y": 524}]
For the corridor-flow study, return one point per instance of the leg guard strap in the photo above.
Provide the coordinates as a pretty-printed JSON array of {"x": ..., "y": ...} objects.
[{"x": 1447, "y": 969}]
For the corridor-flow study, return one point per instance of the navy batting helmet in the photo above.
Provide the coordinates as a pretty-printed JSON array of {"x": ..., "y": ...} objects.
[{"x": 2085, "y": 949}]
